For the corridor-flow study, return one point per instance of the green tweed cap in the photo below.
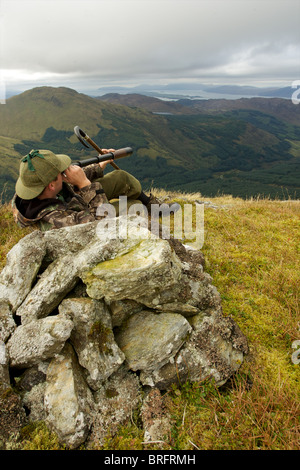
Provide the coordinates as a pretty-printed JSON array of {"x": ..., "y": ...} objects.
[{"x": 37, "y": 170}]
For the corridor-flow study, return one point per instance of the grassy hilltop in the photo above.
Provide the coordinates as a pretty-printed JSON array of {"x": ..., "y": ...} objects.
[{"x": 251, "y": 248}]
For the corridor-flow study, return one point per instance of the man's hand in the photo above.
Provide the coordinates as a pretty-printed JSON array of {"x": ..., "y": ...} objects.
[
  {"x": 103, "y": 164},
  {"x": 76, "y": 176}
]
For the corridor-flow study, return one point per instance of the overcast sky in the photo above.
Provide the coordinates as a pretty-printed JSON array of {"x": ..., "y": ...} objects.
[{"x": 86, "y": 44}]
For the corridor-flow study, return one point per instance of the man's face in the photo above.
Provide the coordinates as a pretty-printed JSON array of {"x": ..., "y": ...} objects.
[{"x": 58, "y": 184}]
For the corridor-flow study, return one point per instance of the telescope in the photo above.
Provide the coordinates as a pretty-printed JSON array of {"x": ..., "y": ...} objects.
[{"x": 121, "y": 153}]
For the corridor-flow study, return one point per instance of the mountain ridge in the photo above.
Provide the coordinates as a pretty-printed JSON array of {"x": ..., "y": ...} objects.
[
  {"x": 209, "y": 147},
  {"x": 288, "y": 112},
  {"x": 200, "y": 89}
]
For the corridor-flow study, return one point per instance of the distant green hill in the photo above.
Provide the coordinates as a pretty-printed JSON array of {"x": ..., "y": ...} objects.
[{"x": 247, "y": 150}]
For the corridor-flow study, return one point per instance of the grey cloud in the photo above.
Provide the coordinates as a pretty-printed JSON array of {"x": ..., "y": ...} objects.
[{"x": 151, "y": 38}]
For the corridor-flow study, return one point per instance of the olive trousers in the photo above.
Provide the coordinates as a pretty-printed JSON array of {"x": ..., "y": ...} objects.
[{"x": 120, "y": 183}]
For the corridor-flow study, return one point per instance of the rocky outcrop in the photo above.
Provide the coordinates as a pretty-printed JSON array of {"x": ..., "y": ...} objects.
[{"x": 95, "y": 325}]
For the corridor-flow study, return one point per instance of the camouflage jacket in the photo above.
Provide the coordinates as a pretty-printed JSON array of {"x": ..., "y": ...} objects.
[{"x": 70, "y": 207}]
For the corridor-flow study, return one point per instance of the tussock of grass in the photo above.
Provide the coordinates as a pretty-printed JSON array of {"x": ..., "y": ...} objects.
[
  {"x": 251, "y": 248},
  {"x": 10, "y": 233}
]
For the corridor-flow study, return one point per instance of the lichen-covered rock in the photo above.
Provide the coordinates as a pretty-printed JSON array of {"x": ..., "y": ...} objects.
[
  {"x": 150, "y": 264},
  {"x": 4, "y": 367},
  {"x": 22, "y": 265},
  {"x": 149, "y": 340},
  {"x": 61, "y": 276},
  {"x": 215, "y": 349},
  {"x": 120, "y": 310},
  {"x": 68, "y": 240},
  {"x": 53, "y": 285},
  {"x": 105, "y": 313},
  {"x": 114, "y": 404},
  {"x": 7, "y": 322},
  {"x": 93, "y": 339},
  {"x": 152, "y": 274},
  {"x": 31, "y": 386},
  {"x": 38, "y": 340},
  {"x": 68, "y": 400}
]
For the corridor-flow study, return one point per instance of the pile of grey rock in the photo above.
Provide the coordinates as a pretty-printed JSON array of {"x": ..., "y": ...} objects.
[{"x": 91, "y": 324}]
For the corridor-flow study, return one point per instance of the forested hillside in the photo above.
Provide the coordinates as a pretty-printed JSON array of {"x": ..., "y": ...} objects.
[{"x": 250, "y": 148}]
